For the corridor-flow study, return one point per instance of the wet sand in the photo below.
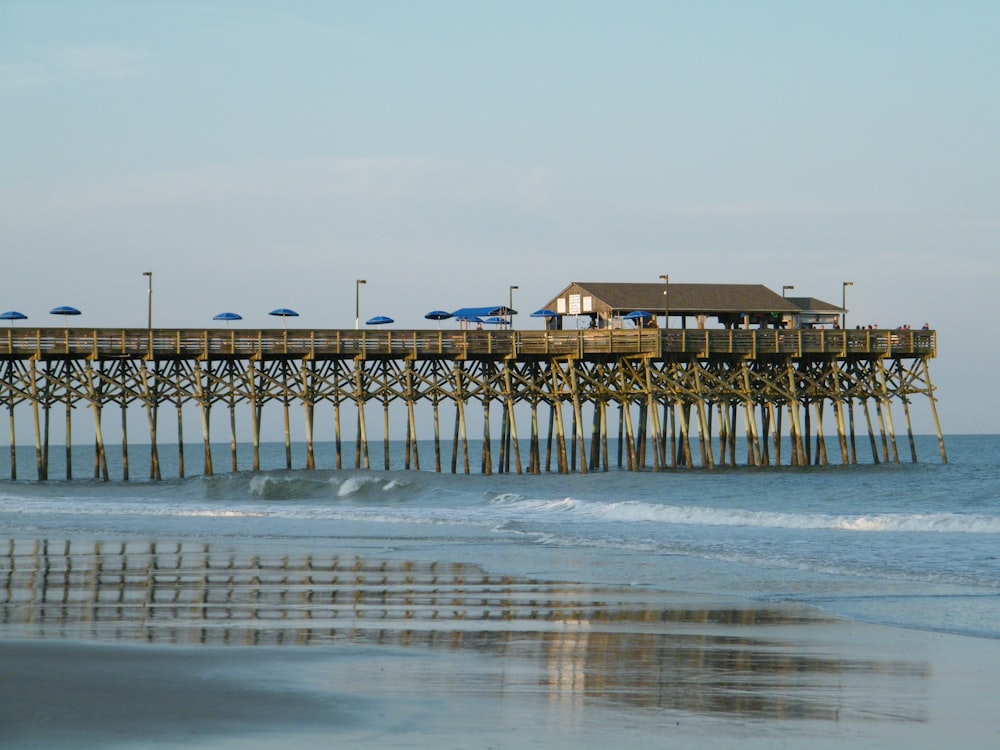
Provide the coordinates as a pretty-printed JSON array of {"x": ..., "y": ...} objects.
[{"x": 192, "y": 646}]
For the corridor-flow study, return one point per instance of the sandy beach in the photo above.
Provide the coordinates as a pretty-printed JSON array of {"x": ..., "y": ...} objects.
[{"x": 140, "y": 645}]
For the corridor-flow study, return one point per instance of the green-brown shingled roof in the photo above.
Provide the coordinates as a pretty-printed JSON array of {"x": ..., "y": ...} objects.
[{"x": 683, "y": 299}]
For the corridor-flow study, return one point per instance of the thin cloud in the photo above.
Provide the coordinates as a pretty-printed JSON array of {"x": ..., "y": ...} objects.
[
  {"x": 372, "y": 181},
  {"x": 74, "y": 64}
]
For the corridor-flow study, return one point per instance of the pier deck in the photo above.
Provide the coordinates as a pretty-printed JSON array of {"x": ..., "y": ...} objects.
[{"x": 206, "y": 344}]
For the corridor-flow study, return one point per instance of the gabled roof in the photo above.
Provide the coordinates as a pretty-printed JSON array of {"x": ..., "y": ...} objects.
[
  {"x": 813, "y": 305},
  {"x": 680, "y": 299}
]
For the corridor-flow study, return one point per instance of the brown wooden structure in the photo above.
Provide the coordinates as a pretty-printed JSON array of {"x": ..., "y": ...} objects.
[
  {"x": 732, "y": 305},
  {"x": 676, "y": 393}
]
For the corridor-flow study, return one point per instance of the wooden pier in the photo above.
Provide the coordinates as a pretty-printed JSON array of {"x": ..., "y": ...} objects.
[{"x": 677, "y": 398}]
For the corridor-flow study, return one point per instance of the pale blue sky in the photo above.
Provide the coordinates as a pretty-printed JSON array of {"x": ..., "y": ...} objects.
[{"x": 256, "y": 155}]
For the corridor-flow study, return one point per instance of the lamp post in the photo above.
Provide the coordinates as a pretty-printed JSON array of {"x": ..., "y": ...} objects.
[
  {"x": 666, "y": 299},
  {"x": 510, "y": 306},
  {"x": 843, "y": 304},
  {"x": 357, "y": 302},
  {"x": 149, "y": 301},
  {"x": 786, "y": 288}
]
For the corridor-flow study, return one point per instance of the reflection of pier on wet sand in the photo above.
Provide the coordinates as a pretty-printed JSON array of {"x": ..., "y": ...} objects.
[{"x": 580, "y": 644}]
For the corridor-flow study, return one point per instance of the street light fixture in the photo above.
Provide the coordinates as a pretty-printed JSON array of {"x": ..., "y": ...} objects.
[
  {"x": 149, "y": 301},
  {"x": 785, "y": 288},
  {"x": 843, "y": 304},
  {"x": 666, "y": 299},
  {"x": 510, "y": 306},
  {"x": 357, "y": 302}
]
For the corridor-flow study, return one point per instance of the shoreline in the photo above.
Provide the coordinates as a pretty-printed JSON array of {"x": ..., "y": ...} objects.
[
  {"x": 829, "y": 683},
  {"x": 192, "y": 646}
]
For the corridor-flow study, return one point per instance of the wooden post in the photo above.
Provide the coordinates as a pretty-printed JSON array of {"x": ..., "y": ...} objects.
[
  {"x": 888, "y": 412},
  {"x": 704, "y": 433},
  {"x": 256, "y": 405},
  {"x": 621, "y": 429},
  {"x": 95, "y": 396},
  {"x": 577, "y": 418},
  {"x": 807, "y": 434},
  {"x": 69, "y": 437},
  {"x": 534, "y": 452},
  {"x": 881, "y": 429},
  {"x": 640, "y": 434},
  {"x": 47, "y": 408},
  {"x": 437, "y": 437},
  {"x": 821, "y": 457},
  {"x": 13, "y": 440},
  {"x": 338, "y": 447},
  {"x": 776, "y": 419},
  {"x": 655, "y": 437},
  {"x": 309, "y": 411},
  {"x": 850, "y": 417},
  {"x": 124, "y": 411},
  {"x": 838, "y": 407},
  {"x": 411, "y": 416},
  {"x": 933, "y": 400},
  {"x": 466, "y": 465},
  {"x": 385, "y": 432},
  {"x": 149, "y": 397},
  {"x": 794, "y": 426},
  {"x": 686, "y": 434},
  {"x": 734, "y": 407},
  {"x": 39, "y": 464},
  {"x": 723, "y": 431},
  {"x": 753, "y": 443},
  {"x": 871, "y": 430},
  {"x": 631, "y": 442},
  {"x": 604, "y": 435},
  {"x": 765, "y": 435},
  {"x": 9, "y": 375},
  {"x": 460, "y": 425},
  {"x": 180, "y": 441},
  {"x": 204, "y": 401},
  {"x": 665, "y": 413},
  {"x": 905, "y": 398},
  {"x": 454, "y": 443},
  {"x": 909, "y": 428},
  {"x": 413, "y": 434},
  {"x": 512, "y": 431},
  {"x": 486, "y": 464},
  {"x": 285, "y": 405},
  {"x": 361, "y": 442},
  {"x": 503, "y": 462},
  {"x": 595, "y": 437}
]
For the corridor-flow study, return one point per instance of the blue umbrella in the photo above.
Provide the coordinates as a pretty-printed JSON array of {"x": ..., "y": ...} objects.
[
  {"x": 227, "y": 316},
  {"x": 438, "y": 315},
  {"x": 543, "y": 313},
  {"x": 13, "y": 315},
  {"x": 496, "y": 320},
  {"x": 463, "y": 319},
  {"x": 638, "y": 316},
  {"x": 379, "y": 320},
  {"x": 284, "y": 313},
  {"x": 64, "y": 310}
]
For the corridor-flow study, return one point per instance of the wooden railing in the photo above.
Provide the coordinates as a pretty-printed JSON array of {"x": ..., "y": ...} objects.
[{"x": 162, "y": 343}]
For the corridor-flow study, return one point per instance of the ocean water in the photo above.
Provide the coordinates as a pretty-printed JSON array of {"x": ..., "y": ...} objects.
[{"x": 908, "y": 545}]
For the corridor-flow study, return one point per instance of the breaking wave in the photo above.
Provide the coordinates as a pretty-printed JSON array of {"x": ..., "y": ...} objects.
[{"x": 642, "y": 512}]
